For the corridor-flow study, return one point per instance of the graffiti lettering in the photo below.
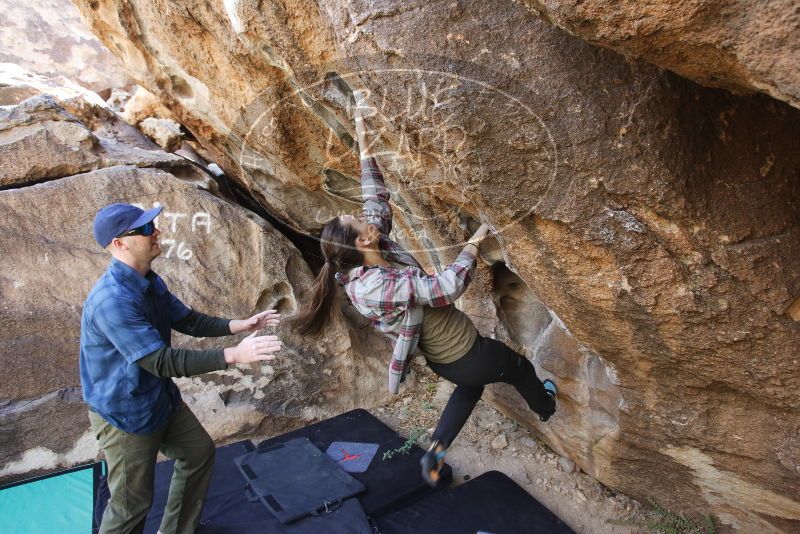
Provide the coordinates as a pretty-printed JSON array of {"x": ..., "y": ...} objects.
[{"x": 171, "y": 222}]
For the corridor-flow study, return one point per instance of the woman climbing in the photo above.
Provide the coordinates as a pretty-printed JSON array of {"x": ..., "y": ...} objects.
[{"x": 388, "y": 286}]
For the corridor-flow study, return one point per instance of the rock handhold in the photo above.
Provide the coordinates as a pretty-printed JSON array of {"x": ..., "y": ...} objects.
[
  {"x": 144, "y": 104},
  {"x": 566, "y": 465},
  {"x": 165, "y": 132}
]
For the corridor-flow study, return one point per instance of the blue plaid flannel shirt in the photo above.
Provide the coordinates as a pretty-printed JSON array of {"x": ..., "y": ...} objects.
[{"x": 126, "y": 317}]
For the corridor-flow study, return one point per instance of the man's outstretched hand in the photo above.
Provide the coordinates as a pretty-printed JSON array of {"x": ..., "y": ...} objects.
[
  {"x": 256, "y": 322},
  {"x": 253, "y": 349}
]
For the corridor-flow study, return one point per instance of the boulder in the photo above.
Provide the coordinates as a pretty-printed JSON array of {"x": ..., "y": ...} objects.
[
  {"x": 655, "y": 219},
  {"x": 217, "y": 257},
  {"x": 18, "y": 84},
  {"x": 40, "y": 140}
]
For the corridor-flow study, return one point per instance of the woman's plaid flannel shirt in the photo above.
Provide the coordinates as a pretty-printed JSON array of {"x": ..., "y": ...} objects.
[{"x": 392, "y": 298}]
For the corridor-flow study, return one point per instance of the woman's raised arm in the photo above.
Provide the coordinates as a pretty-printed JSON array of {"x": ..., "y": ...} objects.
[
  {"x": 374, "y": 195},
  {"x": 407, "y": 288}
]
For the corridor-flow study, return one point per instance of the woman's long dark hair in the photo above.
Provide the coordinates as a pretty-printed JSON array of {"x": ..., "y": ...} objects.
[{"x": 338, "y": 246}]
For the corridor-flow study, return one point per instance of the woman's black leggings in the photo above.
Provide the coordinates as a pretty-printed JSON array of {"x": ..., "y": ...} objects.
[{"x": 488, "y": 361}]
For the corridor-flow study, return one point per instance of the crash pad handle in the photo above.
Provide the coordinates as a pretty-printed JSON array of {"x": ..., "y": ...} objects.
[
  {"x": 250, "y": 493},
  {"x": 327, "y": 507}
]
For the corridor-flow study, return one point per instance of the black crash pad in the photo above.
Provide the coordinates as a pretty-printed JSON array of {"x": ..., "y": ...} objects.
[
  {"x": 227, "y": 509},
  {"x": 295, "y": 479},
  {"x": 491, "y": 503},
  {"x": 349, "y": 518},
  {"x": 390, "y": 483}
]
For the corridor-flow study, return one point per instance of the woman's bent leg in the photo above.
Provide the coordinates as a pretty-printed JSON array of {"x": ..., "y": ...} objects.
[
  {"x": 519, "y": 372},
  {"x": 488, "y": 361},
  {"x": 469, "y": 373},
  {"x": 456, "y": 413}
]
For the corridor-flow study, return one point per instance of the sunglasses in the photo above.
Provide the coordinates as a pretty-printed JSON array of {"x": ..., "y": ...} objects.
[{"x": 145, "y": 230}]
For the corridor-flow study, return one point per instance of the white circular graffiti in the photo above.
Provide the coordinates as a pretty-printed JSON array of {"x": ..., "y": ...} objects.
[{"x": 424, "y": 142}]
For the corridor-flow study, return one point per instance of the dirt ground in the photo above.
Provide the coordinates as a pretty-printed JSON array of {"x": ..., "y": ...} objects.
[{"x": 490, "y": 441}]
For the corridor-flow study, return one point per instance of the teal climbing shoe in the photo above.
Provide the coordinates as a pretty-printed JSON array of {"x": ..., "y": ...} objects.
[{"x": 552, "y": 390}]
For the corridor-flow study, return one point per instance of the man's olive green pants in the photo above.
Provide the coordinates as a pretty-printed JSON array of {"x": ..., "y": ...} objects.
[{"x": 131, "y": 462}]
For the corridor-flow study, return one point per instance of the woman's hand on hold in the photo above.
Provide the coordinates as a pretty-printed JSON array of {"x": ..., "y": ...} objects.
[
  {"x": 360, "y": 98},
  {"x": 362, "y": 109},
  {"x": 480, "y": 234}
]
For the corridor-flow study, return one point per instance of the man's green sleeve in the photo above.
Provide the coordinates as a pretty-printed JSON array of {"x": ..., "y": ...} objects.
[
  {"x": 170, "y": 362},
  {"x": 198, "y": 324}
]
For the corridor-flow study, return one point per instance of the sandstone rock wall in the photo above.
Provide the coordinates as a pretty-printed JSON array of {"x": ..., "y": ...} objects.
[
  {"x": 218, "y": 258},
  {"x": 740, "y": 45},
  {"x": 49, "y": 38},
  {"x": 651, "y": 223}
]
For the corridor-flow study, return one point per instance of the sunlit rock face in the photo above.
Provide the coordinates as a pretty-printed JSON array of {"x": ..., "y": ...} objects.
[
  {"x": 647, "y": 226},
  {"x": 61, "y": 162},
  {"x": 49, "y": 38}
]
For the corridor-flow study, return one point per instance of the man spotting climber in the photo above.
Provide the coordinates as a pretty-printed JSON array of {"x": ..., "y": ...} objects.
[{"x": 126, "y": 361}]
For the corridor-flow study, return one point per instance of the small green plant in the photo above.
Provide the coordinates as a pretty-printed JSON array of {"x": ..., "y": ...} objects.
[
  {"x": 406, "y": 447},
  {"x": 431, "y": 387},
  {"x": 709, "y": 524},
  {"x": 663, "y": 521},
  {"x": 426, "y": 405}
]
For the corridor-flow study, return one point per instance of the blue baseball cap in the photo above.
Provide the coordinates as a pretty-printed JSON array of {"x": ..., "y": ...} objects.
[{"x": 115, "y": 219}]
